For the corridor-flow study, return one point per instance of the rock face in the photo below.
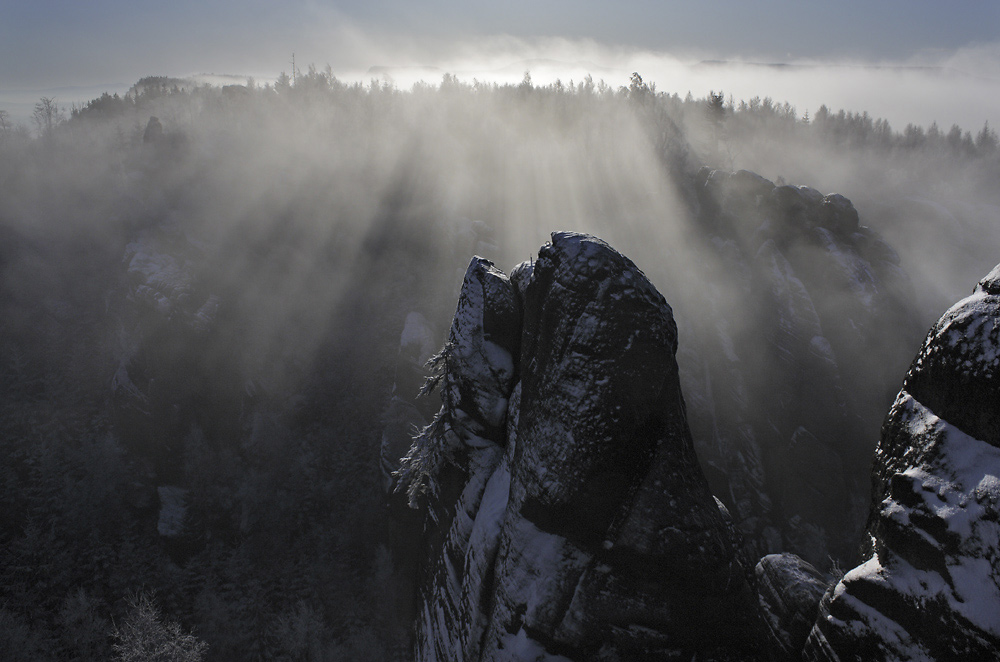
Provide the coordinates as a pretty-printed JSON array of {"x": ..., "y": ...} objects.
[
  {"x": 929, "y": 587},
  {"x": 790, "y": 590},
  {"x": 782, "y": 393},
  {"x": 567, "y": 517},
  {"x": 453, "y": 459}
]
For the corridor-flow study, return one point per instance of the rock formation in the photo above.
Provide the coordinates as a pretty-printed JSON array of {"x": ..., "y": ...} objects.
[
  {"x": 567, "y": 517},
  {"x": 782, "y": 393},
  {"x": 929, "y": 586},
  {"x": 790, "y": 590}
]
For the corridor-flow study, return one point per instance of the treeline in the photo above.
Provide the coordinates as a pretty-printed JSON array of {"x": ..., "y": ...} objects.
[{"x": 840, "y": 127}]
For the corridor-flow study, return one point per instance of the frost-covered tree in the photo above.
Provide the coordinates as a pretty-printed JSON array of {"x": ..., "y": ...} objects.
[{"x": 143, "y": 636}]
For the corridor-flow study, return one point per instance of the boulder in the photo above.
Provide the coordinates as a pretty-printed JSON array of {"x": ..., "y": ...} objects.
[
  {"x": 737, "y": 188},
  {"x": 794, "y": 208},
  {"x": 838, "y": 214}
]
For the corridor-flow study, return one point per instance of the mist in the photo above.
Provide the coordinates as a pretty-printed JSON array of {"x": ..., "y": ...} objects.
[
  {"x": 941, "y": 82},
  {"x": 960, "y": 86},
  {"x": 213, "y": 299}
]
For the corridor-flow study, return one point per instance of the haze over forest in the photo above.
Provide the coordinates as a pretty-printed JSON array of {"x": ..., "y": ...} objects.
[{"x": 206, "y": 279}]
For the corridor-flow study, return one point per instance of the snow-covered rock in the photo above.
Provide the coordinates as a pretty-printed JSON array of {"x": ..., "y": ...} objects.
[
  {"x": 929, "y": 586},
  {"x": 451, "y": 468},
  {"x": 586, "y": 530}
]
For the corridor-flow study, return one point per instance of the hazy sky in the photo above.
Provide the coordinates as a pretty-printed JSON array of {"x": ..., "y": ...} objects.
[{"x": 46, "y": 44}]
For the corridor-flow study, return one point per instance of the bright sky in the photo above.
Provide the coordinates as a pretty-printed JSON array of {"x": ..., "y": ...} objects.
[{"x": 52, "y": 45}]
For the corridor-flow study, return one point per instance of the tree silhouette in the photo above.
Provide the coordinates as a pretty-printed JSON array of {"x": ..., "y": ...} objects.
[
  {"x": 986, "y": 139},
  {"x": 46, "y": 115}
]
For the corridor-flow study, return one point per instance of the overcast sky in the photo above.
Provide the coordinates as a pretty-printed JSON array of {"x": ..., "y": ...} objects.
[{"x": 53, "y": 44}]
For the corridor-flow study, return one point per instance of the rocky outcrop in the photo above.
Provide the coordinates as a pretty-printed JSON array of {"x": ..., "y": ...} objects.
[
  {"x": 783, "y": 395},
  {"x": 567, "y": 517},
  {"x": 790, "y": 590},
  {"x": 929, "y": 585}
]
